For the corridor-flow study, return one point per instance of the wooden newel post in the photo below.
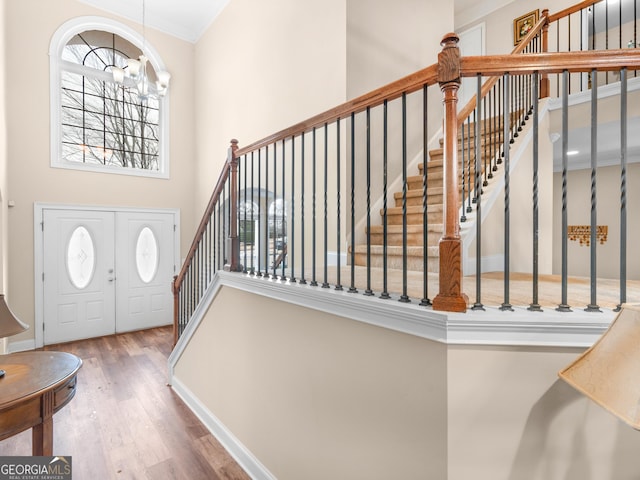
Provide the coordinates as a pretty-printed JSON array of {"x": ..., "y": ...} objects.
[
  {"x": 233, "y": 264},
  {"x": 544, "y": 80},
  {"x": 450, "y": 297}
]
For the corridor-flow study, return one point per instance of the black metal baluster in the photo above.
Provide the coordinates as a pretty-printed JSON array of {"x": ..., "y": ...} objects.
[
  {"x": 492, "y": 124},
  {"x": 243, "y": 169},
  {"x": 314, "y": 282},
  {"x": 483, "y": 132},
  {"x": 253, "y": 218},
  {"x": 303, "y": 280},
  {"x": 267, "y": 246},
  {"x": 325, "y": 281},
  {"x": 623, "y": 188},
  {"x": 284, "y": 221},
  {"x": 535, "y": 305},
  {"x": 500, "y": 121},
  {"x": 220, "y": 257},
  {"x": 225, "y": 222},
  {"x": 635, "y": 30},
  {"x": 338, "y": 206},
  {"x": 522, "y": 100},
  {"x": 352, "y": 287},
  {"x": 476, "y": 115},
  {"x": 463, "y": 217},
  {"x": 564, "y": 305},
  {"x": 291, "y": 243},
  {"x": 404, "y": 297},
  {"x": 274, "y": 205},
  {"x": 513, "y": 107},
  {"x": 257, "y": 235},
  {"x": 425, "y": 302},
  {"x": 593, "y": 307},
  {"x": 505, "y": 304},
  {"x": 478, "y": 303},
  {"x": 620, "y": 24},
  {"x": 593, "y": 28},
  {"x": 385, "y": 164},
  {"x": 368, "y": 291},
  {"x": 606, "y": 37},
  {"x": 469, "y": 159}
]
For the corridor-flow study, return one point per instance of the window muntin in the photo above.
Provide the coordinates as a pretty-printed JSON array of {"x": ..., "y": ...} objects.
[{"x": 98, "y": 124}]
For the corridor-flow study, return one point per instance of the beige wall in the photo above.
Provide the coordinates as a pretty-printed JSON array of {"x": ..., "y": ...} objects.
[
  {"x": 385, "y": 42},
  {"x": 261, "y": 67},
  {"x": 608, "y": 204},
  {"x": 521, "y": 206},
  {"x": 388, "y": 40},
  {"x": 3, "y": 167},
  {"x": 29, "y": 26},
  {"x": 312, "y": 395},
  {"x": 499, "y": 24},
  {"x": 315, "y": 396},
  {"x": 510, "y": 417}
]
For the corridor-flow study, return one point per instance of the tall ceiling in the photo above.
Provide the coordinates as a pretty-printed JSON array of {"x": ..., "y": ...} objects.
[
  {"x": 185, "y": 19},
  {"x": 189, "y": 19}
]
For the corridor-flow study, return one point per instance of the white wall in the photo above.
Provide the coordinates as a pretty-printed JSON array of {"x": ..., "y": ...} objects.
[{"x": 29, "y": 26}]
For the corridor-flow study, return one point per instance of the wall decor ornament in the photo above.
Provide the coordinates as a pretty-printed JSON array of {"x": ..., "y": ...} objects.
[
  {"x": 523, "y": 25},
  {"x": 582, "y": 233}
]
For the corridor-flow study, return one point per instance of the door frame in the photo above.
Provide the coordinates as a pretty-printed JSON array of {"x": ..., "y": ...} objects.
[{"x": 38, "y": 257}]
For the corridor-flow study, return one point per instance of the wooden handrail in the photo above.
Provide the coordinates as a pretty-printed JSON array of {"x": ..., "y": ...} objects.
[
  {"x": 554, "y": 62},
  {"x": 447, "y": 72},
  {"x": 408, "y": 84},
  {"x": 215, "y": 196},
  {"x": 488, "y": 85},
  {"x": 568, "y": 11}
]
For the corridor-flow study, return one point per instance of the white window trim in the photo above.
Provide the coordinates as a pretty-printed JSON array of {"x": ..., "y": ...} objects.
[{"x": 60, "y": 38}]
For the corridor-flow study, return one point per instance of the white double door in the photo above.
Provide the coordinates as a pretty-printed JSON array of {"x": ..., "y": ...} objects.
[{"x": 106, "y": 272}]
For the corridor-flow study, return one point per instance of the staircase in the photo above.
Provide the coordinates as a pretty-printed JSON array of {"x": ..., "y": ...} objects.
[{"x": 435, "y": 206}]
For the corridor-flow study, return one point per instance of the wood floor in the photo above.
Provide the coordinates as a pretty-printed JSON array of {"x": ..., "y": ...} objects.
[
  {"x": 492, "y": 294},
  {"x": 125, "y": 422}
]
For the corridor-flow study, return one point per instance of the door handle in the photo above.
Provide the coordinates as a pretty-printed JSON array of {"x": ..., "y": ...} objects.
[{"x": 111, "y": 279}]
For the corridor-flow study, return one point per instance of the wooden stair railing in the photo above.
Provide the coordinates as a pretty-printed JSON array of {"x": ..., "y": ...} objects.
[
  {"x": 447, "y": 73},
  {"x": 198, "y": 270}
]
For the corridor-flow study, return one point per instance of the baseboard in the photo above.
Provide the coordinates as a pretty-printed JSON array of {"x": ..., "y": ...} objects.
[
  {"x": 21, "y": 346},
  {"x": 236, "y": 449}
]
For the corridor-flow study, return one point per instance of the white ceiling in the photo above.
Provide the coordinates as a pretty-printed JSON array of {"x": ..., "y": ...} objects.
[
  {"x": 189, "y": 19},
  {"x": 185, "y": 19}
]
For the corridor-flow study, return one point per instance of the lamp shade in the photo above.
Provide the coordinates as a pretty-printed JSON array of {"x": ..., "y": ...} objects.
[
  {"x": 609, "y": 372},
  {"x": 9, "y": 324}
]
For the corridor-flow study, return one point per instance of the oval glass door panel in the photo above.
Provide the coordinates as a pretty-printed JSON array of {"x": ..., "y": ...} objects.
[
  {"x": 81, "y": 260},
  {"x": 147, "y": 255}
]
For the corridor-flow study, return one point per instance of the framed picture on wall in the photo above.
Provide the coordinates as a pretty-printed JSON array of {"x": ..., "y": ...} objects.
[{"x": 523, "y": 25}]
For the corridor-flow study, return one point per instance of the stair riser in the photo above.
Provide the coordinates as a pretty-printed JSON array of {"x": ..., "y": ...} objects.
[
  {"x": 413, "y": 239},
  {"x": 414, "y": 264},
  {"x": 417, "y": 201},
  {"x": 414, "y": 218}
]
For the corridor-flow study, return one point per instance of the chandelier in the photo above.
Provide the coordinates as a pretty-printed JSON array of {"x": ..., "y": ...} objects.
[{"x": 136, "y": 70}]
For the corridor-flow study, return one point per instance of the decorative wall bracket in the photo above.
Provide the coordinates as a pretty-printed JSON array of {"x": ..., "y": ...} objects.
[{"x": 582, "y": 233}]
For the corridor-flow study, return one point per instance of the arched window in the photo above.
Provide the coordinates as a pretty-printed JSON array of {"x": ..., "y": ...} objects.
[{"x": 98, "y": 123}]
